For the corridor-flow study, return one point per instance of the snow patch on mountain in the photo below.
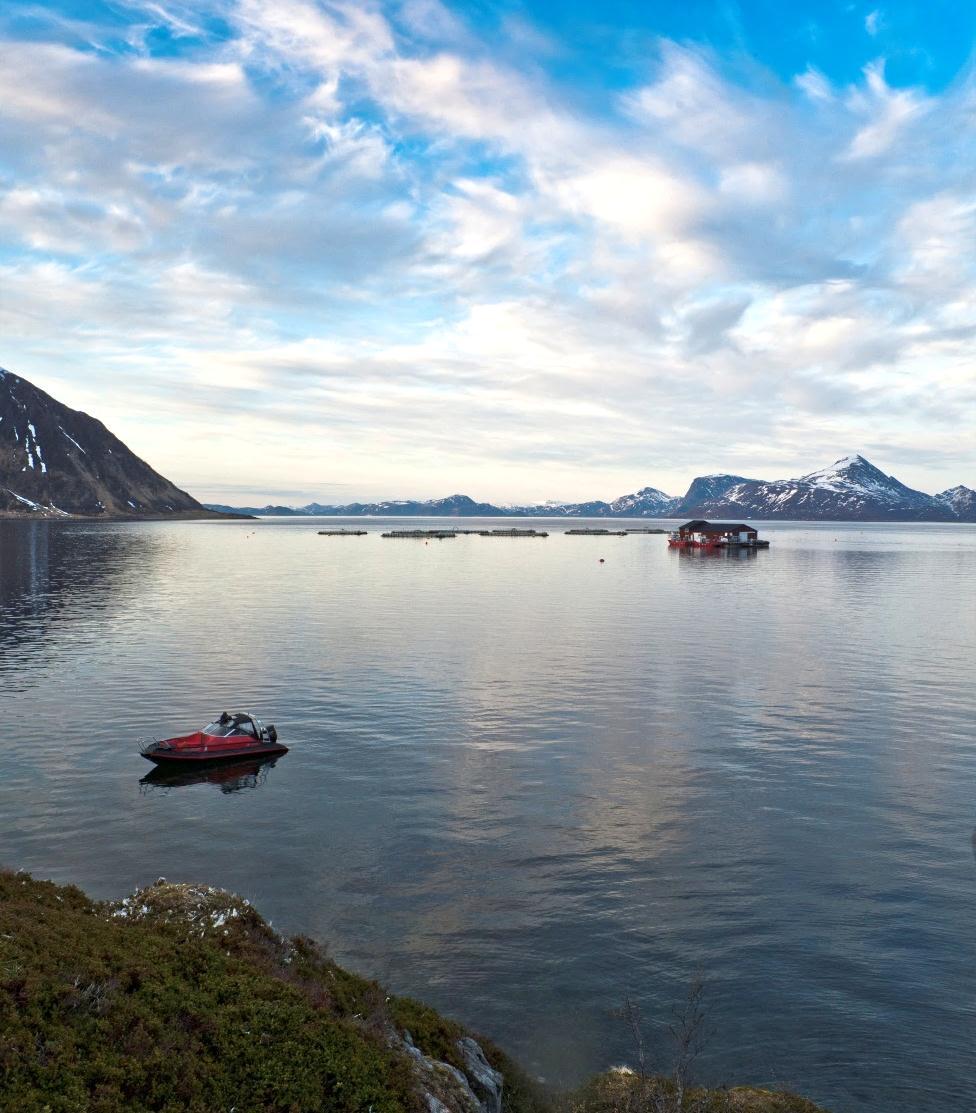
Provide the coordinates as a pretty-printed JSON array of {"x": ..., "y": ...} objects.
[
  {"x": 46, "y": 469},
  {"x": 647, "y": 502},
  {"x": 961, "y": 501},
  {"x": 850, "y": 489}
]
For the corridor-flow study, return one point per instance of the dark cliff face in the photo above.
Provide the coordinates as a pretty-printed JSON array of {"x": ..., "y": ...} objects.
[{"x": 53, "y": 458}]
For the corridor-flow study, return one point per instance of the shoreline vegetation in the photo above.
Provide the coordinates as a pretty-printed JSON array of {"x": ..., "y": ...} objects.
[{"x": 183, "y": 998}]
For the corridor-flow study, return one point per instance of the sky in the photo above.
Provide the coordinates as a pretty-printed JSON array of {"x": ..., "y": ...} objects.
[{"x": 563, "y": 249}]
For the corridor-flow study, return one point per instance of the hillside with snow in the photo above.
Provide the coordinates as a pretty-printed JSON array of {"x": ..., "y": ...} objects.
[
  {"x": 851, "y": 489},
  {"x": 57, "y": 462},
  {"x": 961, "y": 501}
]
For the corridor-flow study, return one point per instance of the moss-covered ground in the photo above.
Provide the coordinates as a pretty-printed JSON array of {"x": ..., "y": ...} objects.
[{"x": 182, "y": 999}]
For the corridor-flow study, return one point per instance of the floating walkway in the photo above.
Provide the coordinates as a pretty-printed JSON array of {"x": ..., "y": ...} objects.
[
  {"x": 512, "y": 533},
  {"x": 423, "y": 534},
  {"x": 443, "y": 534}
]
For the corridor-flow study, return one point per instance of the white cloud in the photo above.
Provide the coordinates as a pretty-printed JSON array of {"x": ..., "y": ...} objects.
[
  {"x": 814, "y": 85},
  {"x": 754, "y": 183},
  {"x": 889, "y": 113},
  {"x": 367, "y": 236},
  {"x": 633, "y": 196}
]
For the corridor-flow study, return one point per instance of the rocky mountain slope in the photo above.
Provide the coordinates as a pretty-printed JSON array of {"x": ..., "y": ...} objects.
[
  {"x": 962, "y": 501},
  {"x": 55, "y": 461},
  {"x": 852, "y": 489},
  {"x": 706, "y": 488}
]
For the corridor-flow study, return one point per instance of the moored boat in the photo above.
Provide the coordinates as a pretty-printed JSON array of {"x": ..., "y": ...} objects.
[{"x": 228, "y": 738}]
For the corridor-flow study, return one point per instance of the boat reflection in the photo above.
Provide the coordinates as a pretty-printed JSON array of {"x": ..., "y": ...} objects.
[
  {"x": 228, "y": 776},
  {"x": 734, "y": 552}
]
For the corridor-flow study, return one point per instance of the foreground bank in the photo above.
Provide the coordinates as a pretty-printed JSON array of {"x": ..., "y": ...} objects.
[{"x": 181, "y": 997}]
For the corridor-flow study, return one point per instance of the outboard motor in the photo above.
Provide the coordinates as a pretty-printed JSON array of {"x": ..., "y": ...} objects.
[{"x": 272, "y": 733}]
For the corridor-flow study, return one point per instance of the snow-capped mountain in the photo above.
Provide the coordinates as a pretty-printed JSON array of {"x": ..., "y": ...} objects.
[
  {"x": 648, "y": 502},
  {"x": 962, "y": 501},
  {"x": 454, "y": 506},
  {"x": 709, "y": 488},
  {"x": 851, "y": 489},
  {"x": 595, "y": 508},
  {"x": 56, "y": 461}
]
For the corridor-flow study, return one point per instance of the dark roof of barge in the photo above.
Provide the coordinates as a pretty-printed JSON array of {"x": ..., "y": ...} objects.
[{"x": 699, "y": 525}]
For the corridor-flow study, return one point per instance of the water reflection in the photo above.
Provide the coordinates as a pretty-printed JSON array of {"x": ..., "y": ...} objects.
[
  {"x": 54, "y": 572},
  {"x": 737, "y": 553},
  {"x": 228, "y": 776},
  {"x": 649, "y": 768}
]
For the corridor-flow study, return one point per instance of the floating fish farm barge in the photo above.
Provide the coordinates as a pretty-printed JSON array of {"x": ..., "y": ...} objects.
[
  {"x": 512, "y": 533},
  {"x": 443, "y": 534},
  {"x": 699, "y": 534},
  {"x": 598, "y": 532},
  {"x": 422, "y": 534}
]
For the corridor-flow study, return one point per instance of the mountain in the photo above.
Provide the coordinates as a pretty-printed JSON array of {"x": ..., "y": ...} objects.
[
  {"x": 596, "y": 508},
  {"x": 259, "y": 511},
  {"x": 962, "y": 501},
  {"x": 454, "y": 506},
  {"x": 709, "y": 488},
  {"x": 55, "y": 462},
  {"x": 648, "y": 502},
  {"x": 852, "y": 489}
]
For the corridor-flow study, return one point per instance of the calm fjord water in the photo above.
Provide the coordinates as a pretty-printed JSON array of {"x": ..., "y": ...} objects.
[{"x": 524, "y": 784}]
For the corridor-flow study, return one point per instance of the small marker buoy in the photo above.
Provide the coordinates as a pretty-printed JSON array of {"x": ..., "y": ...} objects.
[{"x": 602, "y": 560}]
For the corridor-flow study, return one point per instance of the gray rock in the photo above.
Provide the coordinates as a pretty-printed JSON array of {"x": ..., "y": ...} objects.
[
  {"x": 444, "y": 1088},
  {"x": 486, "y": 1082}
]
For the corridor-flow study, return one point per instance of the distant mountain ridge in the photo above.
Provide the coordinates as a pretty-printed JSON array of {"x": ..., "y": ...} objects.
[
  {"x": 851, "y": 489},
  {"x": 58, "y": 462}
]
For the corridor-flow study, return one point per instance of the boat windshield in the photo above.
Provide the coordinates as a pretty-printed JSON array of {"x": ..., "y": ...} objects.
[{"x": 228, "y": 730}]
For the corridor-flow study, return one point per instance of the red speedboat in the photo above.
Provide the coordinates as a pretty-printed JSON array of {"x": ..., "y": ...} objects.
[{"x": 228, "y": 738}]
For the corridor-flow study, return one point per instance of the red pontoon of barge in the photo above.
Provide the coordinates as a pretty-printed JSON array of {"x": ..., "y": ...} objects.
[
  {"x": 227, "y": 738},
  {"x": 699, "y": 534}
]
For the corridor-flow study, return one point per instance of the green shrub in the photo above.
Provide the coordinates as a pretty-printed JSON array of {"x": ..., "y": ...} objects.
[{"x": 181, "y": 999}]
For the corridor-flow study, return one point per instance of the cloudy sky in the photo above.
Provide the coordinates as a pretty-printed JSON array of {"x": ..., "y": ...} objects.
[{"x": 291, "y": 249}]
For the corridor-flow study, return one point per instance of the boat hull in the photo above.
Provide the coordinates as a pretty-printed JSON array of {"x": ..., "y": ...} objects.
[{"x": 204, "y": 756}]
